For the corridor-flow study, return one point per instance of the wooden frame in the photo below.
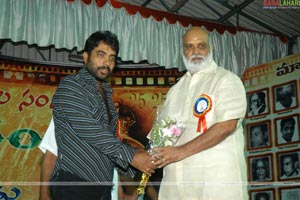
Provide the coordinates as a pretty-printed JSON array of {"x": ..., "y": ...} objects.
[
  {"x": 263, "y": 94},
  {"x": 293, "y": 155},
  {"x": 289, "y": 193},
  {"x": 264, "y": 125},
  {"x": 277, "y": 107},
  {"x": 270, "y": 192},
  {"x": 267, "y": 159},
  {"x": 279, "y": 141}
]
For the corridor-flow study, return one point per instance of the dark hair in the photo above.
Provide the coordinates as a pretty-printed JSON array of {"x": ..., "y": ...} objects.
[
  {"x": 262, "y": 194},
  {"x": 264, "y": 130},
  {"x": 284, "y": 121},
  {"x": 263, "y": 127},
  {"x": 107, "y": 37},
  {"x": 261, "y": 96},
  {"x": 293, "y": 156}
]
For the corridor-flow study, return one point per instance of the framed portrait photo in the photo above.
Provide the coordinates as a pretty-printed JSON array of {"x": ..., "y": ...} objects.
[
  {"x": 258, "y": 103},
  {"x": 285, "y": 96},
  {"x": 265, "y": 194},
  {"x": 287, "y": 130},
  {"x": 260, "y": 168},
  {"x": 288, "y": 165},
  {"x": 289, "y": 193},
  {"x": 259, "y": 135}
]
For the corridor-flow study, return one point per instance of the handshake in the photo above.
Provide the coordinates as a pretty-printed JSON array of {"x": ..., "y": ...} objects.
[
  {"x": 163, "y": 136},
  {"x": 147, "y": 162},
  {"x": 158, "y": 157}
]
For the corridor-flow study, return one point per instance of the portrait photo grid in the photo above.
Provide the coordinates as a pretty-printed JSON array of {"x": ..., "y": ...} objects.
[{"x": 272, "y": 124}]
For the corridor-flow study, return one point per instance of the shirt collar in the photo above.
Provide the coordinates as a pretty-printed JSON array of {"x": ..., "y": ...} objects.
[
  {"x": 91, "y": 81},
  {"x": 87, "y": 78}
]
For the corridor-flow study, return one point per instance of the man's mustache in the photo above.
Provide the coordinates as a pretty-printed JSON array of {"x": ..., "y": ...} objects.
[
  {"x": 197, "y": 56},
  {"x": 104, "y": 67}
]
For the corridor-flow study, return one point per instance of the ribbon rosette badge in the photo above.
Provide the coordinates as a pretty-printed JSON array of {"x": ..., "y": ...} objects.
[
  {"x": 165, "y": 132},
  {"x": 202, "y": 106}
]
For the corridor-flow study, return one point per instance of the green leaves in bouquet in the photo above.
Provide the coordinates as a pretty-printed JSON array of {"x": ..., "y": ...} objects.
[{"x": 158, "y": 137}]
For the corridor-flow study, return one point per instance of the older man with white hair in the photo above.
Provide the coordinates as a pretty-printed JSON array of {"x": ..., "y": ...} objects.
[{"x": 208, "y": 162}]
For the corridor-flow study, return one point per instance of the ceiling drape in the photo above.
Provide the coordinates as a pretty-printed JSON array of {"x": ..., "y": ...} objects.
[{"x": 66, "y": 24}]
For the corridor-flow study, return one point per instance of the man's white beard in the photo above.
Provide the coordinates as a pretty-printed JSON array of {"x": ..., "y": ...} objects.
[{"x": 197, "y": 66}]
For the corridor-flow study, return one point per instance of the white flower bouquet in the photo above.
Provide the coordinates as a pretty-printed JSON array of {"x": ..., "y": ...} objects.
[{"x": 165, "y": 132}]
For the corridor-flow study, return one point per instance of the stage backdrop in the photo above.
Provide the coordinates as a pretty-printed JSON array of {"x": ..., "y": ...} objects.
[
  {"x": 26, "y": 91},
  {"x": 272, "y": 128}
]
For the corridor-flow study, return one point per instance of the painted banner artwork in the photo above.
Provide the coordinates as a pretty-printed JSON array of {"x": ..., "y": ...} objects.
[{"x": 26, "y": 91}]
